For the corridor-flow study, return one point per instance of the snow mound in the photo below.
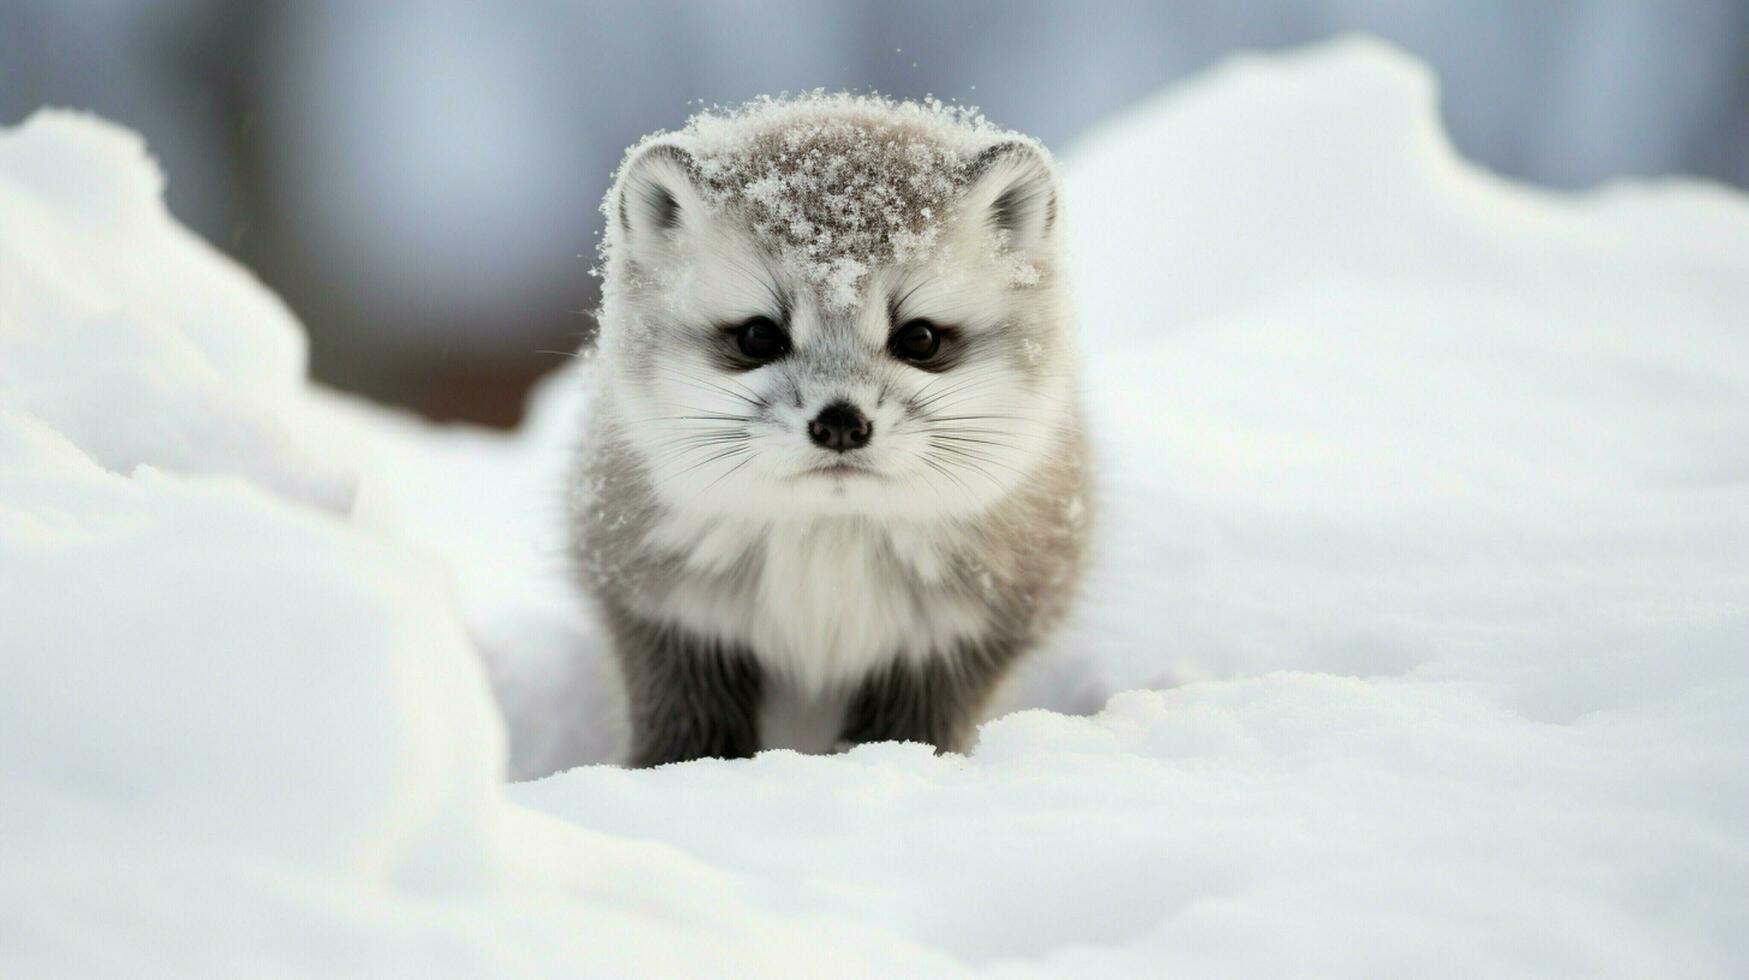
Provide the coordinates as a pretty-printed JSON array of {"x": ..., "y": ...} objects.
[
  {"x": 359, "y": 738},
  {"x": 128, "y": 333},
  {"x": 1426, "y": 514}
]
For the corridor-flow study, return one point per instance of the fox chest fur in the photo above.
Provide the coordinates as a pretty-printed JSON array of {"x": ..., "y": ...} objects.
[{"x": 824, "y": 601}]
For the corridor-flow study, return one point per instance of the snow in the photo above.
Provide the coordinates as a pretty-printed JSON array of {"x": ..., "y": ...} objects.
[
  {"x": 834, "y": 184},
  {"x": 218, "y": 361},
  {"x": 1424, "y": 575}
]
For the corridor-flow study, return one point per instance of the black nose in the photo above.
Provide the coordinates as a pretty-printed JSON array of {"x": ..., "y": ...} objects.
[{"x": 840, "y": 426}]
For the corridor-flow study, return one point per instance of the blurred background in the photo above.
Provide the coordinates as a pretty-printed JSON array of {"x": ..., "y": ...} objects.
[{"x": 420, "y": 180}]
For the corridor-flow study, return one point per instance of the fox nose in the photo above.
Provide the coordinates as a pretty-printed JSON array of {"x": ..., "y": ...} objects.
[{"x": 840, "y": 426}]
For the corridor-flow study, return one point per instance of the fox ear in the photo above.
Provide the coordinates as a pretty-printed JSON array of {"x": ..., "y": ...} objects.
[
  {"x": 656, "y": 195},
  {"x": 1014, "y": 190}
]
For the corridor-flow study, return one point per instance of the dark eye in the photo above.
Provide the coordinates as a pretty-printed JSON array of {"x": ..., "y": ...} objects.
[
  {"x": 761, "y": 340},
  {"x": 916, "y": 340}
]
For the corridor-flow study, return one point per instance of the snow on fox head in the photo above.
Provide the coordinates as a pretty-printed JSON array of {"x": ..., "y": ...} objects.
[{"x": 836, "y": 304}]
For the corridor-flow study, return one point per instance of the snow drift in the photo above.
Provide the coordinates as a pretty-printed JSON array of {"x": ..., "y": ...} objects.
[{"x": 1426, "y": 573}]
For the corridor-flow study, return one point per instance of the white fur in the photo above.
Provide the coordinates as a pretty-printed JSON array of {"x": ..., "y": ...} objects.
[
  {"x": 825, "y": 612},
  {"x": 845, "y": 563}
]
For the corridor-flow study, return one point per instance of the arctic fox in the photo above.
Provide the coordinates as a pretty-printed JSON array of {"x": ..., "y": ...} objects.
[{"x": 834, "y": 480}]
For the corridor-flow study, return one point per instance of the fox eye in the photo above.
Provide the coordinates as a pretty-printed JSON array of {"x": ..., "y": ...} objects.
[
  {"x": 761, "y": 339},
  {"x": 916, "y": 341}
]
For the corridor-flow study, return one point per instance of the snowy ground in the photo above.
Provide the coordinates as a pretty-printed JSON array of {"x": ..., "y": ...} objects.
[{"x": 1425, "y": 570}]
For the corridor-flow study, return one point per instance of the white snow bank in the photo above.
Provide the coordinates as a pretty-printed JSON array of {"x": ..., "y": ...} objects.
[
  {"x": 128, "y": 334},
  {"x": 239, "y": 735},
  {"x": 1426, "y": 495}
]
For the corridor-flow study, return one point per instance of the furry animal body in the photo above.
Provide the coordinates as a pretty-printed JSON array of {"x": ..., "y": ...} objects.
[{"x": 833, "y": 482}]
